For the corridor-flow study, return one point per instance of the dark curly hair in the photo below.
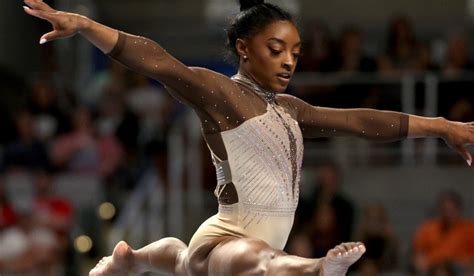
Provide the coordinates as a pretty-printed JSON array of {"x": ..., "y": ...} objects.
[{"x": 253, "y": 17}]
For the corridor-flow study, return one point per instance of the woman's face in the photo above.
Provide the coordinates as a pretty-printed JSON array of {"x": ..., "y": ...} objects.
[{"x": 272, "y": 55}]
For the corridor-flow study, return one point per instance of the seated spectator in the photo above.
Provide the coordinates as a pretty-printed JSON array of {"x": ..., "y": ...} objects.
[
  {"x": 152, "y": 105},
  {"x": 48, "y": 118},
  {"x": 349, "y": 59},
  {"x": 26, "y": 151},
  {"x": 377, "y": 233},
  {"x": 446, "y": 238},
  {"x": 317, "y": 56},
  {"x": 318, "y": 46},
  {"x": 325, "y": 219},
  {"x": 328, "y": 191},
  {"x": 115, "y": 118},
  {"x": 323, "y": 231},
  {"x": 459, "y": 105},
  {"x": 457, "y": 56},
  {"x": 402, "y": 54},
  {"x": 318, "y": 235},
  {"x": 82, "y": 151},
  {"x": 351, "y": 56}
]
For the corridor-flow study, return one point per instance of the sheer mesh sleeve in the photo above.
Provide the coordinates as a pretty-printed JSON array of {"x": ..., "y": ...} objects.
[
  {"x": 218, "y": 101},
  {"x": 371, "y": 124},
  {"x": 196, "y": 87}
]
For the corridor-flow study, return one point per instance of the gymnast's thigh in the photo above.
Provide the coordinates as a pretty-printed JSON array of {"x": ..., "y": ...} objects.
[{"x": 241, "y": 256}]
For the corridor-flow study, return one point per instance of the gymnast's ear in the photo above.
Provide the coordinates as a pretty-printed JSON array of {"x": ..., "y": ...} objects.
[{"x": 241, "y": 48}]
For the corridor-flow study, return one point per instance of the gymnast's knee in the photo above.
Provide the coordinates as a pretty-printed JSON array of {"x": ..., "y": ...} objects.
[
  {"x": 182, "y": 263},
  {"x": 244, "y": 257},
  {"x": 165, "y": 254}
]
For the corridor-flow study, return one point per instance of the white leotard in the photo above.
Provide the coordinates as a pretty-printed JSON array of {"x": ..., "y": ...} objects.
[{"x": 265, "y": 170}]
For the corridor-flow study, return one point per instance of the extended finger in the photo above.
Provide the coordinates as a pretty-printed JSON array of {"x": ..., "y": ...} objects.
[
  {"x": 465, "y": 154},
  {"x": 38, "y": 5},
  {"x": 40, "y": 14},
  {"x": 50, "y": 36}
]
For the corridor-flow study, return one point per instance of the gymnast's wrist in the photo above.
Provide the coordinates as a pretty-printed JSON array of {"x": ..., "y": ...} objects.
[
  {"x": 83, "y": 23},
  {"x": 419, "y": 127},
  {"x": 441, "y": 127}
]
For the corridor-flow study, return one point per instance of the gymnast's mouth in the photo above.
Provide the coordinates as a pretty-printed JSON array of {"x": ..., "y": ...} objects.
[
  {"x": 284, "y": 78},
  {"x": 285, "y": 75}
]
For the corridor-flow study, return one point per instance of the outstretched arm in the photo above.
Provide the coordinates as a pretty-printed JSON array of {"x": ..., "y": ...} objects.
[
  {"x": 377, "y": 125},
  {"x": 196, "y": 87}
]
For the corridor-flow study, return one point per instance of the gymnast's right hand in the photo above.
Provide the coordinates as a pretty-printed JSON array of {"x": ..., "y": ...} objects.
[{"x": 64, "y": 24}]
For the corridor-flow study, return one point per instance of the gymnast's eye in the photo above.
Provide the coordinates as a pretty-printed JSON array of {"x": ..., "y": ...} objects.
[{"x": 274, "y": 52}]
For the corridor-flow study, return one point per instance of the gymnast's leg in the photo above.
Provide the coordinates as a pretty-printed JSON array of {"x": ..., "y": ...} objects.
[
  {"x": 255, "y": 257},
  {"x": 233, "y": 256},
  {"x": 165, "y": 256}
]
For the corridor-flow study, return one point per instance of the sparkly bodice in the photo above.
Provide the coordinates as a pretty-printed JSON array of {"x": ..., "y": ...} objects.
[{"x": 263, "y": 164}]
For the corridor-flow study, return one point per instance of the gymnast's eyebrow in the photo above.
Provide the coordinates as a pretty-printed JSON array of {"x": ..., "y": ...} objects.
[{"x": 281, "y": 41}]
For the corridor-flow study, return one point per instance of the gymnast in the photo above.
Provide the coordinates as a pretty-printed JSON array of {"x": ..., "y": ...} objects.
[{"x": 255, "y": 135}]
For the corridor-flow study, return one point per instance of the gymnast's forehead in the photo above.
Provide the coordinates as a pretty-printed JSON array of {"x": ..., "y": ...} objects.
[{"x": 280, "y": 32}]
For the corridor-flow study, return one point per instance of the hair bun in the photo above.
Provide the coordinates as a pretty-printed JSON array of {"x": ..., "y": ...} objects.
[{"x": 247, "y": 4}]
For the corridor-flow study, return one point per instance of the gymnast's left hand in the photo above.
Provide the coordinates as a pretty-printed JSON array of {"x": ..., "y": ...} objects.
[{"x": 458, "y": 136}]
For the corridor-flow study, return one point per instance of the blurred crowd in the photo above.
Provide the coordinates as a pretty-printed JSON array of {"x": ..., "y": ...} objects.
[
  {"x": 62, "y": 155},
  {"x": 402, "y": 53},
  {"x": 117, "y": 125}
]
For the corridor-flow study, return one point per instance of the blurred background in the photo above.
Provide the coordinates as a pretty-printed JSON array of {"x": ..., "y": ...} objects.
[{"x": 92, "y": 153}]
